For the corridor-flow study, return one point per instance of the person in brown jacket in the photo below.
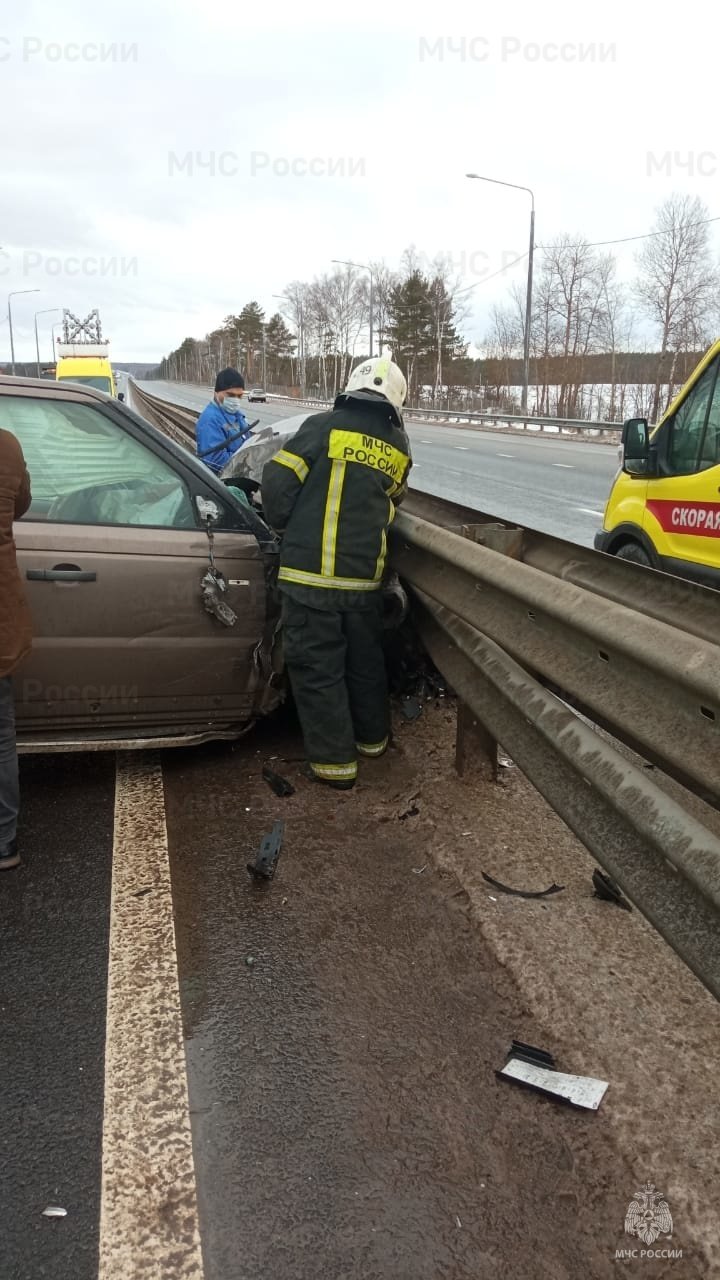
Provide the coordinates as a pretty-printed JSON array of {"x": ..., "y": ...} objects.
[{"x": 15, "y": 636}]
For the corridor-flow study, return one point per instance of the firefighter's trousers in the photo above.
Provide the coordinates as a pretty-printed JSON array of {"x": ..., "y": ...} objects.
[{"x": 336, "y": 665}]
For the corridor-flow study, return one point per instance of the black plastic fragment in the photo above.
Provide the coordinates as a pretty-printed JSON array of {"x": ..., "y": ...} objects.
[
  {"x": 279, "y": 785},
  {"x": 523, "y": 893},
  {"x": 529, "y": 1053},
  {"x": 263, "y": 868},
  {"x": 411, "y": 708},
  {"x": 608, "y": 890}
]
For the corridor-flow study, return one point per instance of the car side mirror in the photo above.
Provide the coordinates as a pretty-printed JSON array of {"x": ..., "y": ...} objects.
[
  {"x": 121, "y": 395},
  {"x": 635, "y": 446}
]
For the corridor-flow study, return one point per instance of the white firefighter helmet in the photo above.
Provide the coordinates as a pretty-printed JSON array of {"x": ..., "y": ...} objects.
[{"x": 382, "y": 375}]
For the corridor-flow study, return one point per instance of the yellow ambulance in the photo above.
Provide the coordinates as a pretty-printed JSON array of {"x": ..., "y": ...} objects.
[
  {"x": 84, "y": 355},
  {"x": 664, "y": 506},
  {"x": 89, "y": 370}
]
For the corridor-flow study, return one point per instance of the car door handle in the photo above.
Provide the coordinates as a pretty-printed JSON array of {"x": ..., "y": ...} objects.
[{"x": 63, "y": 573}]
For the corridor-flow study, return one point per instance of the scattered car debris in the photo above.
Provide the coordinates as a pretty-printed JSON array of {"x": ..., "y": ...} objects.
[
  {"x": 411, "y": 812},
  {"x": 417, "y": 871},
  {"x": 411, "y": 708},
  {"x": 523, "y": 893},
  {"x": 278, "y": 784},
  {"x": 608, "y": 890},
  {"x": 535, "y": 1069},
  {"x": 263, "y": 868},
  {"x": 458, "y": 1223},
  {"x": 54, "y": 1211},
  {"x": 411, "y": 673},
  {"x": 249, "y": 960}
]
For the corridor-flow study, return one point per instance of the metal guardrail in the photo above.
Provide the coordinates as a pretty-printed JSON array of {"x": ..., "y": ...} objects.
[
  {"x": 681, "y": 603},
  {"x": 553, "y": 647},
  {"x": 665, "y": 861},
  {"x": 517, "y": 645},
  {"x": 569, "y": 426},
  {"x": 572, "y": 427},
  {"x": 176, "y": 421},
  {"x": 656, "y": 685},
  {"x": 453, "y": 417}
]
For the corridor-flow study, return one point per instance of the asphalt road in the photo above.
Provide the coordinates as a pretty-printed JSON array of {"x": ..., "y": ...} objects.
[
  {"x": 557, "y": 486},
  {"x": 296, "y": 1080}
]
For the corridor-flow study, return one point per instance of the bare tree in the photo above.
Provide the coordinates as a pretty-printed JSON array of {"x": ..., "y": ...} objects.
[
  {"x": 384, "y": 281},
  {"x": 502, "y": 344},
  {"x": 677, "y": 284}
]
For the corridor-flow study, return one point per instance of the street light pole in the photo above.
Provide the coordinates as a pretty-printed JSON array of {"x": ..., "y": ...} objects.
[
  {"x": 15, "y": 294},
  {"x": 47, "y": 311},
  {"x": 343, "y": 262},
  {"x": 528, "y": 301},
  {"x": 528, "y": 310}
]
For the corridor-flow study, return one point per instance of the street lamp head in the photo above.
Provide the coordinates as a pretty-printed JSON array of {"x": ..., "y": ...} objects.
[{"x": 346, "y": 262}]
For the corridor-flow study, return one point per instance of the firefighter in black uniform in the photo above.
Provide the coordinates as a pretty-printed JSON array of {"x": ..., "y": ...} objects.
[{"x": 331, "y": 495}]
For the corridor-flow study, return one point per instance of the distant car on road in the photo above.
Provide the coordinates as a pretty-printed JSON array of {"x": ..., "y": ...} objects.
[
  {"x": 131, "y": 642},
  {"x": 257, "y": 393}
]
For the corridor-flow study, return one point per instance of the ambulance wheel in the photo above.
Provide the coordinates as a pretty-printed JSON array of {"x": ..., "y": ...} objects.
[{"x": 634, "y": 552}]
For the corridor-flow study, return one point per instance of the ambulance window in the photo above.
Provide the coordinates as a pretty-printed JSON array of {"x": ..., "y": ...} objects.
[
  {"x": 687, "y": 429},
  {"x": 710, "y": 453}
]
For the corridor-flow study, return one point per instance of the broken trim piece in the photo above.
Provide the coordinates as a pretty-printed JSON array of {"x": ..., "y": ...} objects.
[
  {"x": 535, "y": 1068},
  {"x": 523, "y": 893},
  {"x": 264, "y": 866}
]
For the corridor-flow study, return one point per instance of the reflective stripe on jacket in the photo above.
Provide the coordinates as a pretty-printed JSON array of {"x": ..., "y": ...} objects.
[{"x": 331, "y": 492}]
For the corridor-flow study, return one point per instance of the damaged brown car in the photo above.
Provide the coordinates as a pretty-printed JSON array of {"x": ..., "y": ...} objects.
[{"x": 151, "y": 582}]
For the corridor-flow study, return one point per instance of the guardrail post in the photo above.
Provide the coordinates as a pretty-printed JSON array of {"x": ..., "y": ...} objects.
[{"x": 475, "y": 746}]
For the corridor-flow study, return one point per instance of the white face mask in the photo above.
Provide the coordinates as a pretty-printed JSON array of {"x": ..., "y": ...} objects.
[{"x": 231, "y": 404}]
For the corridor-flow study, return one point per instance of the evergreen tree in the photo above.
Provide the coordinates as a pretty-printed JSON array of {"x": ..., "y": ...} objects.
[
  {"x": 246, "y": 333},
  {"x": 279, "y": 347},
  {"x": 410, "y": 326}
]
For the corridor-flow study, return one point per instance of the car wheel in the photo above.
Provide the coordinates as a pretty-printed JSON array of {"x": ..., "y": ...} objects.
[{"x": 635, "y": 553}]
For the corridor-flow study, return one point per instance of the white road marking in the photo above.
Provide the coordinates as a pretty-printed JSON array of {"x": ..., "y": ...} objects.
[
  {"x": 588, "y": 511},
  {"x": 427, "y": 442},
  {"x": 505, "y": 455},
  {"x": 149, "y": 1219},
  {"x": 565, "y": 466},
  {"x": 463, "y": 448}
]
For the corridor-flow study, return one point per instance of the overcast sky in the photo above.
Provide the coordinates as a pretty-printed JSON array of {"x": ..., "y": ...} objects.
[{"x": 99, "y": 208}]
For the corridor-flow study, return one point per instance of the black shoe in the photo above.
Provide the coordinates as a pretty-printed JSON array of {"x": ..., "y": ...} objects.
[{"x": 9, "y": 856}]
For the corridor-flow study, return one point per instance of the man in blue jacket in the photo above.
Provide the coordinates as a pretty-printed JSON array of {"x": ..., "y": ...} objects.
[{"x": 221, "y": 419}]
